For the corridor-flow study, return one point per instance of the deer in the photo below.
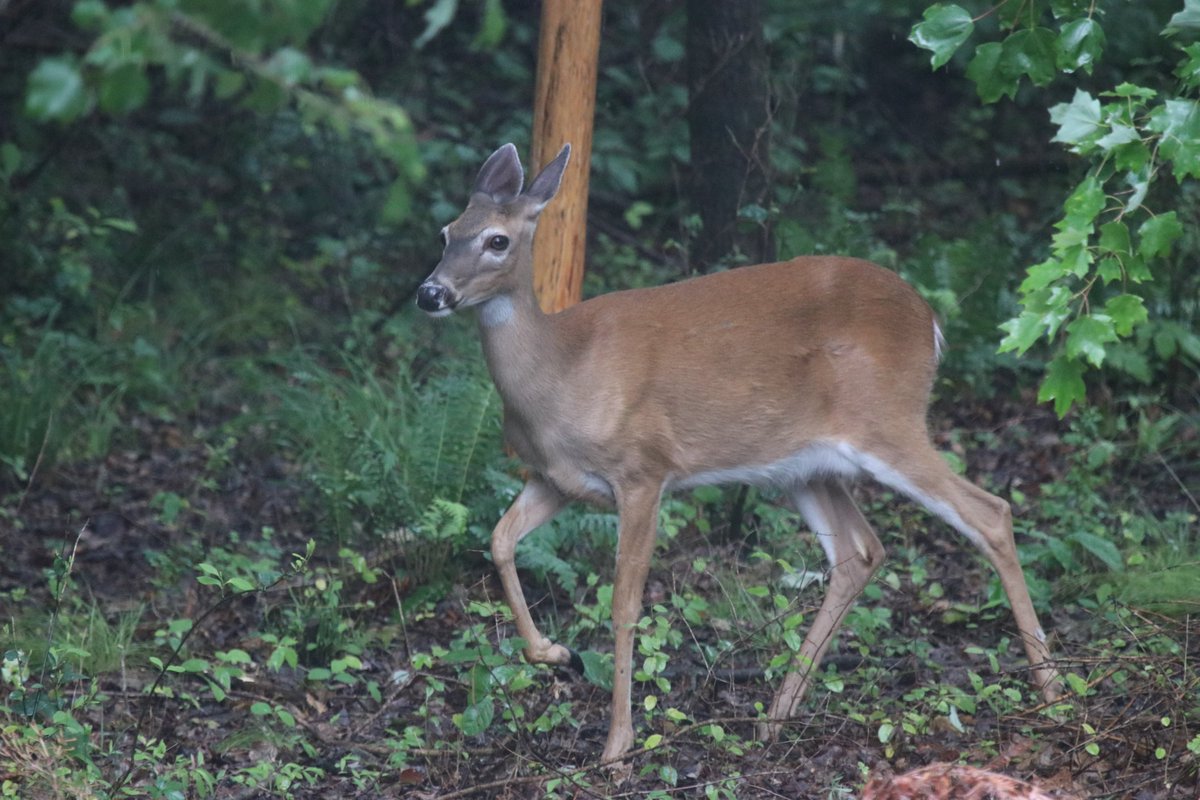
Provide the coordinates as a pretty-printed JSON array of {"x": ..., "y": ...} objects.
[{"x": 799, "y": 376}]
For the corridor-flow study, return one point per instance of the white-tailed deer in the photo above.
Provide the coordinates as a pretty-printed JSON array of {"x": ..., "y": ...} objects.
[{"x": 799, "y": 375}]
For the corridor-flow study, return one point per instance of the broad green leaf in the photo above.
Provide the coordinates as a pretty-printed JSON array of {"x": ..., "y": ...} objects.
[
  {"x": 289, "y": 66},
  {"x": 439, "y": 14},
  {"x": 1083, "y": 204},
  {"x": 1157, "y": 234},
  {"x": 1127, "y": 312},
  {"x": 124, "y": 89},
  {"x": 1079, "y": 45},
  {"x": 1031, "y": 52},
  {"x": 1119, "y": 134},
  {"x": 1186, "y": 20},
  {"x": 1138, "y": 180},
  {"x": 1127, "y": 89},
  {"x": 943, "y": 28},
  {"x": 492, "y": 25},
  {"x": 1087, "y": 336},
  {"x": 1039, "y": 276},
  {"x": 1023, "y": 331},
  {"x": 475, "y": 718},
  {"x": 1131, "y": 361},
  {"x": 1101, "y": 548},
  {"x": 1077, "y": 120},
  {"x": 991, "y": 81},
  {"x": 1114, "y": 237},
  {"x": 1188, "y": 70},
  {"x": 1179, "y": 123},
  {"x": 1063, "y": 384},
  {"x": 597, "y": 669},
  {"x": 89, "y": 14},
  {"x": 55, "y": 91}
]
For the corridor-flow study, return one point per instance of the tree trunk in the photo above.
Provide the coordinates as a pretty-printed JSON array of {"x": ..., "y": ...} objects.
[
  {"x": 729, "y": 123},
  {"x": 563, "y": 110}
]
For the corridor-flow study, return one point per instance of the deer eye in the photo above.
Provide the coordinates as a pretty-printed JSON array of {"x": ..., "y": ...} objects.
[
  {"x": 498, "y": 243},
  {"x": 442, "y": 237}
]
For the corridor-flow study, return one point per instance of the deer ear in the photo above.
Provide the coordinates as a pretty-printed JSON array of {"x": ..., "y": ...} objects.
[
  {"x": 546, "y": 184},
  {"x": 501, "y": 175}
]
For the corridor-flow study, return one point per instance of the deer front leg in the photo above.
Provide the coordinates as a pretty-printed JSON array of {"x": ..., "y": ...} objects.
[
  {"x": 638, "y": 529},
  {"x": 537, "y": 503}
]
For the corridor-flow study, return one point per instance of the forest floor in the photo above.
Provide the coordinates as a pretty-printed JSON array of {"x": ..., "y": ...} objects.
[{"x": 132, "y": 521}]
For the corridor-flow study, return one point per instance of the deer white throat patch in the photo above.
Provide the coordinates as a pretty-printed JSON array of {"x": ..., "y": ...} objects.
[{"x": 496, "y": 312}]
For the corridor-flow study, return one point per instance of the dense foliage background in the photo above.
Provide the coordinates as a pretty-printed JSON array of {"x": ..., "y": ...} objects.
[{"x": 213, "y": 215}]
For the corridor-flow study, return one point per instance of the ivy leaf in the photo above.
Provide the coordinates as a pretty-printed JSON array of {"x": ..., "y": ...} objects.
[
  {"x": 1063, "y": 384},
  {"x": 1077, "y": 120},
  {"x": 1087, "y": 336},
  {"x": 991, "y": 80},
  {"x": 942, "y": 29},
  {"x": 1157, "y": 234},
  {"x": 1127, "y": 312},
  {"x": 55, "y": 91},
  {"x": 1079, "y": 45}
]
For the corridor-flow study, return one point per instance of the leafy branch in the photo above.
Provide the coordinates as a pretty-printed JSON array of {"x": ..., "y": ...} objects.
[{"x": 1089, "y": 294}]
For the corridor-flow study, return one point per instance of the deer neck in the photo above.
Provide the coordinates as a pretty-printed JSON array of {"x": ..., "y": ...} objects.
[{"x": 521, "y": 347}]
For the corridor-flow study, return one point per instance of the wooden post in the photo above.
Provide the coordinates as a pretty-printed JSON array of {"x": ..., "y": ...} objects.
[{"x": 563, "y": 110}]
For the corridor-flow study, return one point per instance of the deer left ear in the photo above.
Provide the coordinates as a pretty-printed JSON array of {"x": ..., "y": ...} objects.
[
  {"x": 501, "y": 176},
  {"x": 546, "y": 184}
]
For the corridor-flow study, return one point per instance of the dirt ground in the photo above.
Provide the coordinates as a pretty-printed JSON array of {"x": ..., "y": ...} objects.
[{"x": 108, "y": 512}]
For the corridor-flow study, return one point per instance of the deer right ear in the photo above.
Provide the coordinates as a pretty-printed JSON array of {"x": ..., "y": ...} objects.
[
  {"x": 501, "y": 175},
  {"x": 546, "y": 184}
]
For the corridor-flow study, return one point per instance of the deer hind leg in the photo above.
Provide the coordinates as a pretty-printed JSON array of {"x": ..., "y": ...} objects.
[
  {"x": 854, "y": 553},
  {"x": 537, "y": 503},
  {"x": 986, "y": 520}
]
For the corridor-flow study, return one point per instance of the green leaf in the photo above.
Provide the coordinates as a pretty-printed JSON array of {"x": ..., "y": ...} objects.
[
  {"x": 991, "y": 80},
  {"x": 943, "y": 28},
  {"x": 597, "y": 669},
  {"x": 492, "y": 26},
  {"x": 439, "y": 14},
  {"x": 1031, "y": 52},
  {"x": 475, "y": 718},
  {"x": 1082, "y": 206},
  {"x": 1039, "y": 276},
  {"x": 1079, "y": 45},
  {"x": 1101, "y": 548},
  {"x": 89, "y": 15},
  {"x": 55, "y": 91},
  {"x": 289, "y": 66},
  {"x": 1077, "y": 120},
  {"x": 1023, "y": 331},
  {"x": 1157, "y": 234},
  {"x": 1127, "y": 312},
  {"x": 1188, "y": 19},
  {"x": 1087, "y": 335},
  {"x": 124, "y": 89},
  {"x": 1114, "y": 238},
  {"x": 1179, "y": 123},
  {"x": 1063, "y": 384}
]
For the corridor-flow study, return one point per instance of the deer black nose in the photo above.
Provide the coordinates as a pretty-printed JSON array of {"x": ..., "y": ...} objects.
[{"x": 432, "y": 297}]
